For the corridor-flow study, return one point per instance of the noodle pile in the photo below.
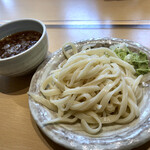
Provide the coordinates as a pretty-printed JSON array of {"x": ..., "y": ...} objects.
[{"x": 92, "y": 87}]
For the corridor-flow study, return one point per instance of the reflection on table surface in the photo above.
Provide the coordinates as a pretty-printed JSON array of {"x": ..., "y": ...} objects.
[
  {"x": 57, "y": 37},
  {"x": 66, "y": 21},
  {"x": 119, "y": 11}
]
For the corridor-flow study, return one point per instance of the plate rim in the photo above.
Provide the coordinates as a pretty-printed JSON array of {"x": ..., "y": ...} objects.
[{"x": 61, "y": 142}]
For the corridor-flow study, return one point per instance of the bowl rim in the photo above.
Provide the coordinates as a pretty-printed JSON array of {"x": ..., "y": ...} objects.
[{"x": 29, "y": 49}]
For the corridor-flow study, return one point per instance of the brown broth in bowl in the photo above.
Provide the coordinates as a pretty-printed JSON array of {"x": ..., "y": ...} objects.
[{"x": 17, "y": 43}]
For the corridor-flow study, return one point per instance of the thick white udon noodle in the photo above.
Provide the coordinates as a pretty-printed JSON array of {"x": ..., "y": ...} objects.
[{"x": 93, "y": 87}]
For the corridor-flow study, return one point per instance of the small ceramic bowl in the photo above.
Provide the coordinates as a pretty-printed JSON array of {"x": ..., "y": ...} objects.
[{"x": 28, "y": 60}]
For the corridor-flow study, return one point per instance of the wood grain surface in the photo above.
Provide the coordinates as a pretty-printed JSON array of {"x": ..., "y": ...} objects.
[
  {"x": 50, "y": 10},
  {"x": 18, "y": 130}
]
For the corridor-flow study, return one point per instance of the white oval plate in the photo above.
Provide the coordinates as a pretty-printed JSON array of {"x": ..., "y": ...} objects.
[{"x": 111, "y": 137}]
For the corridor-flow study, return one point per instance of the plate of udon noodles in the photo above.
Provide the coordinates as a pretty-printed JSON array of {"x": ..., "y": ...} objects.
[{"x": 85, "y": 97}]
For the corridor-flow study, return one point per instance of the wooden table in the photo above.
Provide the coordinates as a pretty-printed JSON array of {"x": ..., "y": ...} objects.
[{"x": 66, "y": 20}]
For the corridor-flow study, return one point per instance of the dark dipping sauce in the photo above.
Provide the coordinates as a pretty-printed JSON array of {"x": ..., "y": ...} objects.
[{"x": 17, "y": 43}]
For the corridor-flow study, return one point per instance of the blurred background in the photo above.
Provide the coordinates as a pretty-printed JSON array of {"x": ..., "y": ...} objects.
[{"x": 81, "y": 19}]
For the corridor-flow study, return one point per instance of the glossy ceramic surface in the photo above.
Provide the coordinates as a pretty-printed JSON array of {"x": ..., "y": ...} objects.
[
  {"x": 28, "y": 60},
  {"x": 114, "y": 136}
]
